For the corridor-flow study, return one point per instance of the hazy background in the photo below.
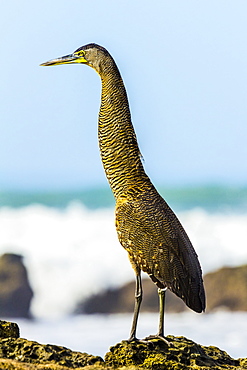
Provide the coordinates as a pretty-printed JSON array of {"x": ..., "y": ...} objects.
[{"x": 184, "y": 64}]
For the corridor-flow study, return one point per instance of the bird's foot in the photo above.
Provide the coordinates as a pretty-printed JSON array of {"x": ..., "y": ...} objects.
[
  {"x": 148, "y": 340},
  {"x": 134, "y": 339},
  {"x": 157, "y": 336}
]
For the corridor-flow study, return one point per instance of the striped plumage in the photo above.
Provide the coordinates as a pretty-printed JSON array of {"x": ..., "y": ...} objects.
[{"x": 147, "y": 228}]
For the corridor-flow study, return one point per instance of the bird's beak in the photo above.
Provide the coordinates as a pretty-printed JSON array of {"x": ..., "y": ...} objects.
[{"x": 67, "y": 59}]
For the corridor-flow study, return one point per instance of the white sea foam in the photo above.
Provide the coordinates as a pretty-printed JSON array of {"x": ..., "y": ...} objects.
[{"x": 73, "y": 252}]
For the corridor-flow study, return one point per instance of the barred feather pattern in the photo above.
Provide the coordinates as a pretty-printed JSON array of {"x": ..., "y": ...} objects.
[{"x": 147, "y": 228}]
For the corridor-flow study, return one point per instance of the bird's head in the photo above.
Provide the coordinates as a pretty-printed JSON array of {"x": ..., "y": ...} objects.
[{"x": 90, "y": 54}]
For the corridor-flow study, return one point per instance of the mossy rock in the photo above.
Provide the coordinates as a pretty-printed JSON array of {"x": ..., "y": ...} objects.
[
  {"x": 9, "y": 330},
  {"x": 180, "y": 354},
  {"x": 6, "y": 364},
  {"x": 32, "y": 352}
]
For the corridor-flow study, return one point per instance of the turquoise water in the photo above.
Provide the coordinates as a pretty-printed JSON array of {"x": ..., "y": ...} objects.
[{"x": 210, "y": 198}]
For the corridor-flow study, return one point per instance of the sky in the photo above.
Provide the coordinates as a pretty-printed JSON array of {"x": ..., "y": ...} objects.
[{"x": 184, "y": 64}]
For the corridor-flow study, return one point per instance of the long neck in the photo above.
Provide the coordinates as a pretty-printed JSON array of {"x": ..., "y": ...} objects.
[{"x": 118, "y": 145}]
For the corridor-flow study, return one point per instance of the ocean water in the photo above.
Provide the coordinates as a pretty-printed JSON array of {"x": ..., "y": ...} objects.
[{"x": 70, "y": 249}]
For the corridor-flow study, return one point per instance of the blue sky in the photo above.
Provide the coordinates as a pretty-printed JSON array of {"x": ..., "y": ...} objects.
[{"x": 184, "y": 64}]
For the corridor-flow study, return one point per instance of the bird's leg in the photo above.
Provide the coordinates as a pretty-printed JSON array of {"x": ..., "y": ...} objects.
[
  {"x": 138, "y": 300},
  {"x": 160, "y": 335},
  {"x": 162, "y": 297}
]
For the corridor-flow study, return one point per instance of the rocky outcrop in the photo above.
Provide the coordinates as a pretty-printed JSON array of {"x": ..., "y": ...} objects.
[
  {"x": 119, "y": 300},
  {"x": 225, "y": 288},
  {"x": 180, "y": 353},
  {"x": 15, "y": 290},
  {"x": 177, "y": 353}
]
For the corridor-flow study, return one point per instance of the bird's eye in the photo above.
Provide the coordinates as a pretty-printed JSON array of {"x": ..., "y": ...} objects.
[{"x": 80, "y": 53}]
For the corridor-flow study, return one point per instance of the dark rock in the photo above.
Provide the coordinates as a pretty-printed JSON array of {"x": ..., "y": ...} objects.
[
  {"x": 119, "y": 300},
  {"x": 225, "y": 288},
  {"x": 15, "y": 290},
  {"x": 182, "y": 354},
  {"x": 9, "y": 330}
]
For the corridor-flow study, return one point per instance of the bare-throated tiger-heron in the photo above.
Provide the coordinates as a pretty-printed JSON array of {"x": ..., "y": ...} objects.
[{"x": 146, "y": 226}]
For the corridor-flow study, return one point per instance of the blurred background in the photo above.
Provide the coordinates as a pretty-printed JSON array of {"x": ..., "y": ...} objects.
[{"x": 184, "y": 67}]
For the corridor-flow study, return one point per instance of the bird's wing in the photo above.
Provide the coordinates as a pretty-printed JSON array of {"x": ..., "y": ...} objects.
[{"x": 156, "y": 241}]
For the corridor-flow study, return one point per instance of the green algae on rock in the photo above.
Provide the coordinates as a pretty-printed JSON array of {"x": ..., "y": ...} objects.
[
  {"x": 9, "y": 329},
  {"x": 6, "y": 364},
  {"x": 181, "y": 354},
  {"x": 28, "y": 351}
]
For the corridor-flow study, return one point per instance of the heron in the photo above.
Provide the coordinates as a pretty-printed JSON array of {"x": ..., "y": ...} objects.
[{"x": 147, "y": 228}]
